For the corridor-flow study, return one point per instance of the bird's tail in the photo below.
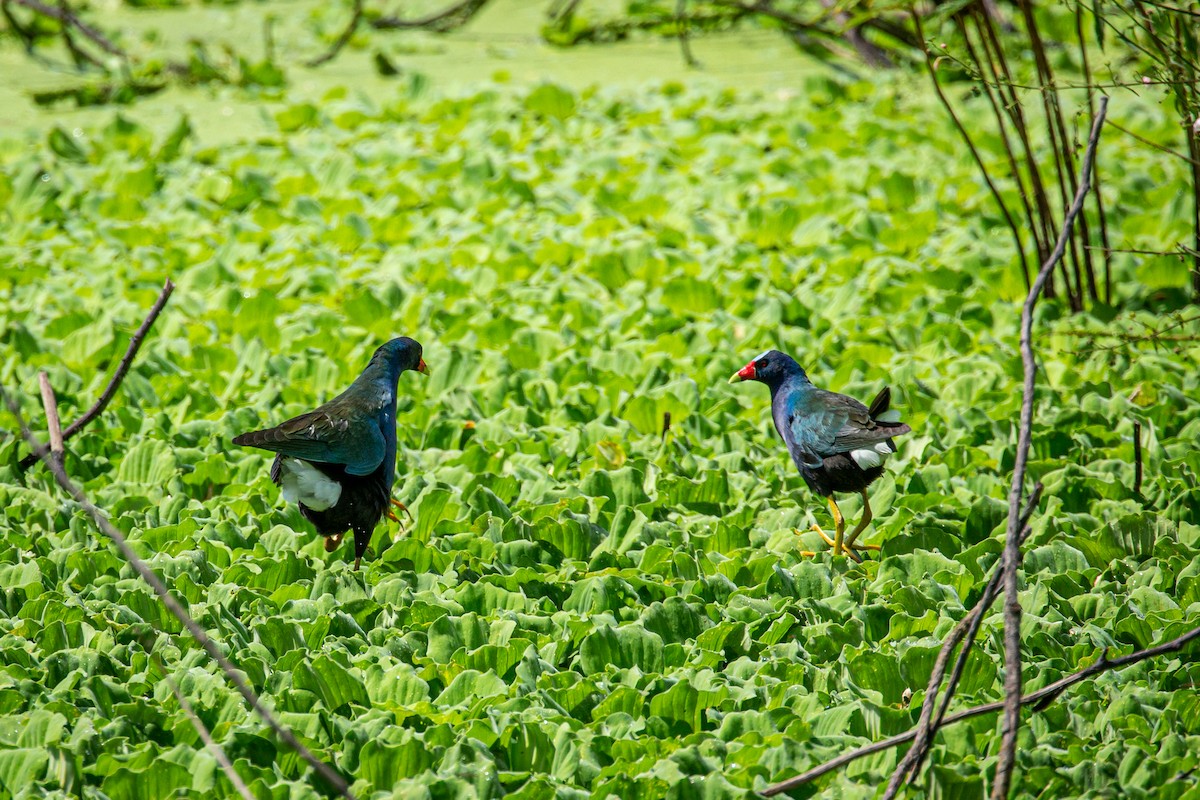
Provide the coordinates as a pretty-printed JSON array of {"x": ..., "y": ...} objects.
[
  {"x": 879, "y": 407},
  {"x": 880, "y": 411}
]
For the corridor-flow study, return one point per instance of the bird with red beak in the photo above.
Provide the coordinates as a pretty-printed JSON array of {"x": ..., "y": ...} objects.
[{"x": 837, "y": 443}]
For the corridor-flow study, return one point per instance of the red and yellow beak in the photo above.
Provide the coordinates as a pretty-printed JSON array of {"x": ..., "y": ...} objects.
[
  {"x": 422, "y": 367},
  {"x": 746, "y": 373}
]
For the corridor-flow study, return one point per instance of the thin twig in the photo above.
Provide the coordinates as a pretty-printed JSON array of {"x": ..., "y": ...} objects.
[
  {"x": 996, "y": 104},
  {"x": 1012, "y": 545},
  {"x": 78, "y": 54},
  {"x": 1172, "y": 9},
  {"x": 964, "y": 632},
  {"x": 217, "y": 751},
  {"x": 67, "y": 18},
  {"x": 1183, "y": 252},
  {"x": 1039, "y": 699},
  {"x": 966, "y": 137},
  {"x": 1153, "y": 144},
  {"x": 441, "y": 21},
  {"x": 134, "y": 344},
  {"x": 53, "y": 426},
  {"x": 56, "y": 459},
  {"x": 1098, "y": 194},
  {"x": 681, "y": 27},
  {"x": 1137, "y": 457},
  {"x": 231, "y": 672},
  {"x": 347, "y": 34}
]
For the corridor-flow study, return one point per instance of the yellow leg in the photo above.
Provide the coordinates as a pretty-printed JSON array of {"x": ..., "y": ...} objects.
[
  {"x": 839, "y": 522},
  {"x": 860, "y": 527},
  {"x": 839, "y": 525},
  {"x": 824, "y": 535}
]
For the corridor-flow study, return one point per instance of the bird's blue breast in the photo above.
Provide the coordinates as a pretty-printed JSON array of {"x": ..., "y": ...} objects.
[
  {"x": 799, "y": 426},
  {"x": 388, "y": 423}
]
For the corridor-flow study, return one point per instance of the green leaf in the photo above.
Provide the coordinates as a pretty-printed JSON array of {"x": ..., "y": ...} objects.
[
  {"x": 386, "y": 763},
  {"x": 66, "y": 147},
  {"x": 621, "y": 648},
  {"x": 22, "y": 766},
  {"x": 332, "y": 683},
  {"x": 552, "y": 101},
  {"x": 150, "y": 462},
  {"x": 155, "y": 782}
]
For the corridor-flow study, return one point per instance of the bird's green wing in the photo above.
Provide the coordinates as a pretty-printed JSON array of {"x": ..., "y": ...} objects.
[{"x": 356, "y": 444}]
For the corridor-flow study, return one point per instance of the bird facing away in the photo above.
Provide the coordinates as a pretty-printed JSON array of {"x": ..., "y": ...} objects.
[
  {"x": 339, "y": 461},
  {"x": 838, "y": 444}
]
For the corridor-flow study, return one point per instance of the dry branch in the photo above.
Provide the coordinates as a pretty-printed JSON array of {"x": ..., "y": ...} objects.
[
  {"x": 1137, "y": 457},
  {"x": 1039, "y": 700},
  {"x": 1012, "y": 546},
  {"x": 126, "y": 362},
  {"x": 217, "y": 751},
  {"x": 168, "y": 600},
  {"x": 442, "y": 21},
  {"x": 966, "y": 137},
  {"x": 963, "y": 633},
  {"x": 681, "y": 24},
  {"x": 50, "y": 404},
  {"x": 53, "y": 426},
  {"x": 67, "y": 18},
  {"x": 343, "y": 39}
]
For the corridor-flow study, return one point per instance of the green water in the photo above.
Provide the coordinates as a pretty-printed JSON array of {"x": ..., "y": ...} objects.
[{"x": 502, "y": 41}]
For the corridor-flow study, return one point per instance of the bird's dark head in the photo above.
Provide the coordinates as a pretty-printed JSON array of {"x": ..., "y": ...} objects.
[
  {"x": 771, "y": 368},
  {"x": 401, "y": 354}
]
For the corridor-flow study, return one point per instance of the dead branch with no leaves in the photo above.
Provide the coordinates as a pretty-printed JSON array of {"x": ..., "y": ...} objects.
[
  {"x": 168, "y": 600},
  {"x": 1006, "y": 574},
  {"x": 114, "y": 383},
  {"x": 1012, "y": 545},
  {"x": 69, "y": 21},
  {"x": 1040, "y": 700}
]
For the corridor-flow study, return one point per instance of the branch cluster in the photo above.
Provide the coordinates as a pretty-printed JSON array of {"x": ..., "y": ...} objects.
[{"x": 52, "y": 457}]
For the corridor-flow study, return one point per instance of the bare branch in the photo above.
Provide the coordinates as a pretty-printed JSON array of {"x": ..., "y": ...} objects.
[
  {"x": 1039, "y": 700},
  {"x": 344, "y": 39},
  {"x": 143, "y": 569},
  {"x": 937, "y": 86},
  {"x": 64, "y": 15},
  {"x": 965, "y": 632},
  {"x": 134, "y": 344},
  {"x": 56, "y": 461},
  {"x": 681, "y": 25},
  {"x": 442, "y": 21},
  {"x": 1153, "y": 144},
  {"x": 1137, "y": 457},
  {"x": 217, "y": 751},
  {"x": 50, "y": 404},
  {"x": 1012, "y": 546}
]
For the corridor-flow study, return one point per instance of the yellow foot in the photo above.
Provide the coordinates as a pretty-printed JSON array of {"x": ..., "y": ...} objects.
[
  {"x": 805, "y": 553},
  {"x": 848, "y": 548},
  {"x": 824, "y": 535}
]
